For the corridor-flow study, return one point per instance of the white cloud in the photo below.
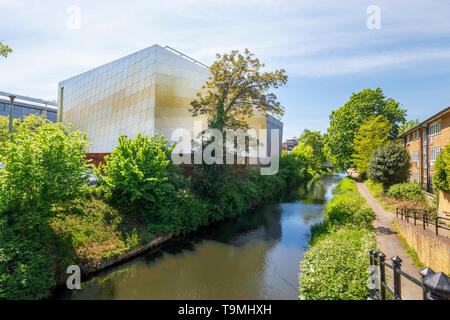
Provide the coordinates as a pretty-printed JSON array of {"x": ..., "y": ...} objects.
[{"x": 308, "y": 38}]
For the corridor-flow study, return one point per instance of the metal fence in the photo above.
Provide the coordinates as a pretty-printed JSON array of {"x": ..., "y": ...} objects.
[
  {"x": 422, "y": 215},
  {"x": 435, "y": 285}
]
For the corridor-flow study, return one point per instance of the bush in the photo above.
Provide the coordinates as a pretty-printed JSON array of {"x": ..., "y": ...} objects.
[
  {"x": 43, "y": 169},
  {"x": 137, "y": 175},
  {"x": 337, "y": 266},
  {"x": 441, "y": 177},
  {"x": 389, "y": 164},
  {"x": 376, "y": 188},
  {"x": 406, "y": 191}
]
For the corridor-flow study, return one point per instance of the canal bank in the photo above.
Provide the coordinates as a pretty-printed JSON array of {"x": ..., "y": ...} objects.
[{"x": 253, "y": 256}]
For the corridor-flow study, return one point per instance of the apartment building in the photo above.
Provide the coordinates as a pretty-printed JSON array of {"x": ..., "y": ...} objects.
[{"x": 424, "y": 143}]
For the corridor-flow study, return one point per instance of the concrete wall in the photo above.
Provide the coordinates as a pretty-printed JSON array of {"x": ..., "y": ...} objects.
[{"x": 433, "y": 251}]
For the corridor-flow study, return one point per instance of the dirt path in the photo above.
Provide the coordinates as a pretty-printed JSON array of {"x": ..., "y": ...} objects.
[{"x": 391, "y": 245}]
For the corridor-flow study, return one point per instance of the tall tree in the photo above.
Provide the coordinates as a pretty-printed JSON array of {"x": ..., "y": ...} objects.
[
  {"x": 345, "y": 123},
  {"x": 4, "y": 50},
  {"x": 236, "y": 89},
  {"x": 373, "y": 133},
  {"x": 315, "y": 140}
]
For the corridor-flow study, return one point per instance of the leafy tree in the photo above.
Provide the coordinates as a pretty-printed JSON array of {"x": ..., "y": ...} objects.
[
  {"x": 30, "y": 122},
  {"x": 441, "y": 177},
  {"x": 408, "y": 125},
  {"x": 236, "y": 90},
  {"x": 315, "y": 140},
  {"x": 136, "y": 174},
  {"x": 5, "y": 50},
  {"x": 389, "y": 164},
  {"x": 43, "y": 169},
  {"x": 373, "y": 133},
  {"x": 345, "y": 123}
]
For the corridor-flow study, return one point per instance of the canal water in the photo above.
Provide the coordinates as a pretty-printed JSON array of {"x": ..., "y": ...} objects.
[{"x": 254, "y": 256}]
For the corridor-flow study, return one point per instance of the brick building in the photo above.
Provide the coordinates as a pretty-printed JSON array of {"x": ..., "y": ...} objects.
[{"x": 424, "y": 143}]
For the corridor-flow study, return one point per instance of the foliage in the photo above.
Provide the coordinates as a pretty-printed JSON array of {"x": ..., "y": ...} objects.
[
  {"x": 441, "y": 177},
  {"x": 43, "y": 169},
  {"x": 237, "y": 89},
  {"x": 408, "y": 125},
  {"x": 5, "y": 50},
  {"x": 345, "y": 123},
  {"x": 373, "y": 133},
  {"x": 407, "y": 191},
  {"x": 30, "y": 122},
  {"x": 315, "y": 140},
  {"x": 389, "y": 164},
  {"x": 375, "y": 188},
  {"x": 136, "y": 174},
  {"x": 336, "y": 267}
]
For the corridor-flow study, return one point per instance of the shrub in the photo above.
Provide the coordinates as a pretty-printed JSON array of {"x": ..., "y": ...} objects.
[
  {"x": 43, "y": 169},
  {"x": 136, "y": 175},
  {"x": 389, "y": 164},
  {"x": 376, "y": 188},
  {"x": 441, "y": 177},
  {"x": 337, "y": 266},
  {"x": 406, "y": 191}
]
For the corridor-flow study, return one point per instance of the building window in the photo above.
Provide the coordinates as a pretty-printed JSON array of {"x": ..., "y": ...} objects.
[
  {"x": 416, "y": 157},
  {"x": 431, "y": 181},
  {"x": 407, "y": 140},
  {"x": 434, "y": 153},
  {"x": 416, "y": 177},
  {"x": 435, "y": 128}
]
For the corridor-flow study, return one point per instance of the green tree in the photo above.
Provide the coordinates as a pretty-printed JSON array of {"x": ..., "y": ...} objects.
[
  {"x": 30, "y": 122},
  {"x": 137, "y": 174},
  {"x": 5, "y": 50},
  {"x": 315, "y": 140},
  {"x": 441, "y": 177},
  {"x": 43, "y": 170},
  {"x": 373, "y": 133},
  {"x": 345, "y": 122},
  {"x": 389, "y": 164},
  {"x": 408, "y": 125},
  {"x": 236, "y": 90}
]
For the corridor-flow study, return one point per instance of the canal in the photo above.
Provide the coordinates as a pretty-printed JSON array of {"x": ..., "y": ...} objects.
[{"x": 255, "y": 256}]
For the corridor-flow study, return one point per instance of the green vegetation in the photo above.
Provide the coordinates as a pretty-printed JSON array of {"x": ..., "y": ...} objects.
[
  {"x": 406, "y": 191},
  {"x": 346, "y": 121},
  {"x": 441, "y": 177},
  {"x": 316, "y": 141},
  {"x": 408, "y": 125},
  {"x": 43, "y": 170},
  {"x": 389, "y": 164},
  {"x": 375, "y": 188},
  {"x": 336, "y": 267},
  {"x": 4, "y": 50},
  {"x": 373, "y": 133}
]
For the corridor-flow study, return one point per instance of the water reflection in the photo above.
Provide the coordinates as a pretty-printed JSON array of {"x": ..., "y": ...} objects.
[{"x": 254, "y": 256}]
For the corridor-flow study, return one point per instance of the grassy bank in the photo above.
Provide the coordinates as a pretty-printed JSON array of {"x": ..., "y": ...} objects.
[{"x": 336, "y": 267}]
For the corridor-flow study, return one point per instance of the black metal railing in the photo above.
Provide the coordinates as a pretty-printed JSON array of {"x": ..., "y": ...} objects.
[
  {"x": 422, "y": 215},
  {"x": 435, "y": 286}
]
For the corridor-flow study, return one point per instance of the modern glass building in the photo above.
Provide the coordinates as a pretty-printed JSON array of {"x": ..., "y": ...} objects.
[
  {"x": 24, "y": 106},
  {"x": 148, "y": 92}
]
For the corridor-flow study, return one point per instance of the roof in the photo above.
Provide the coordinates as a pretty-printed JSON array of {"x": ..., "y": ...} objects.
[
  {"x": 433, "y": 117},
  {"x": 27, "y": 101}
]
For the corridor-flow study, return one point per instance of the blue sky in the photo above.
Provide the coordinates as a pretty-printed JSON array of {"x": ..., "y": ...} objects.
[{"x": 325, "y": 46}]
